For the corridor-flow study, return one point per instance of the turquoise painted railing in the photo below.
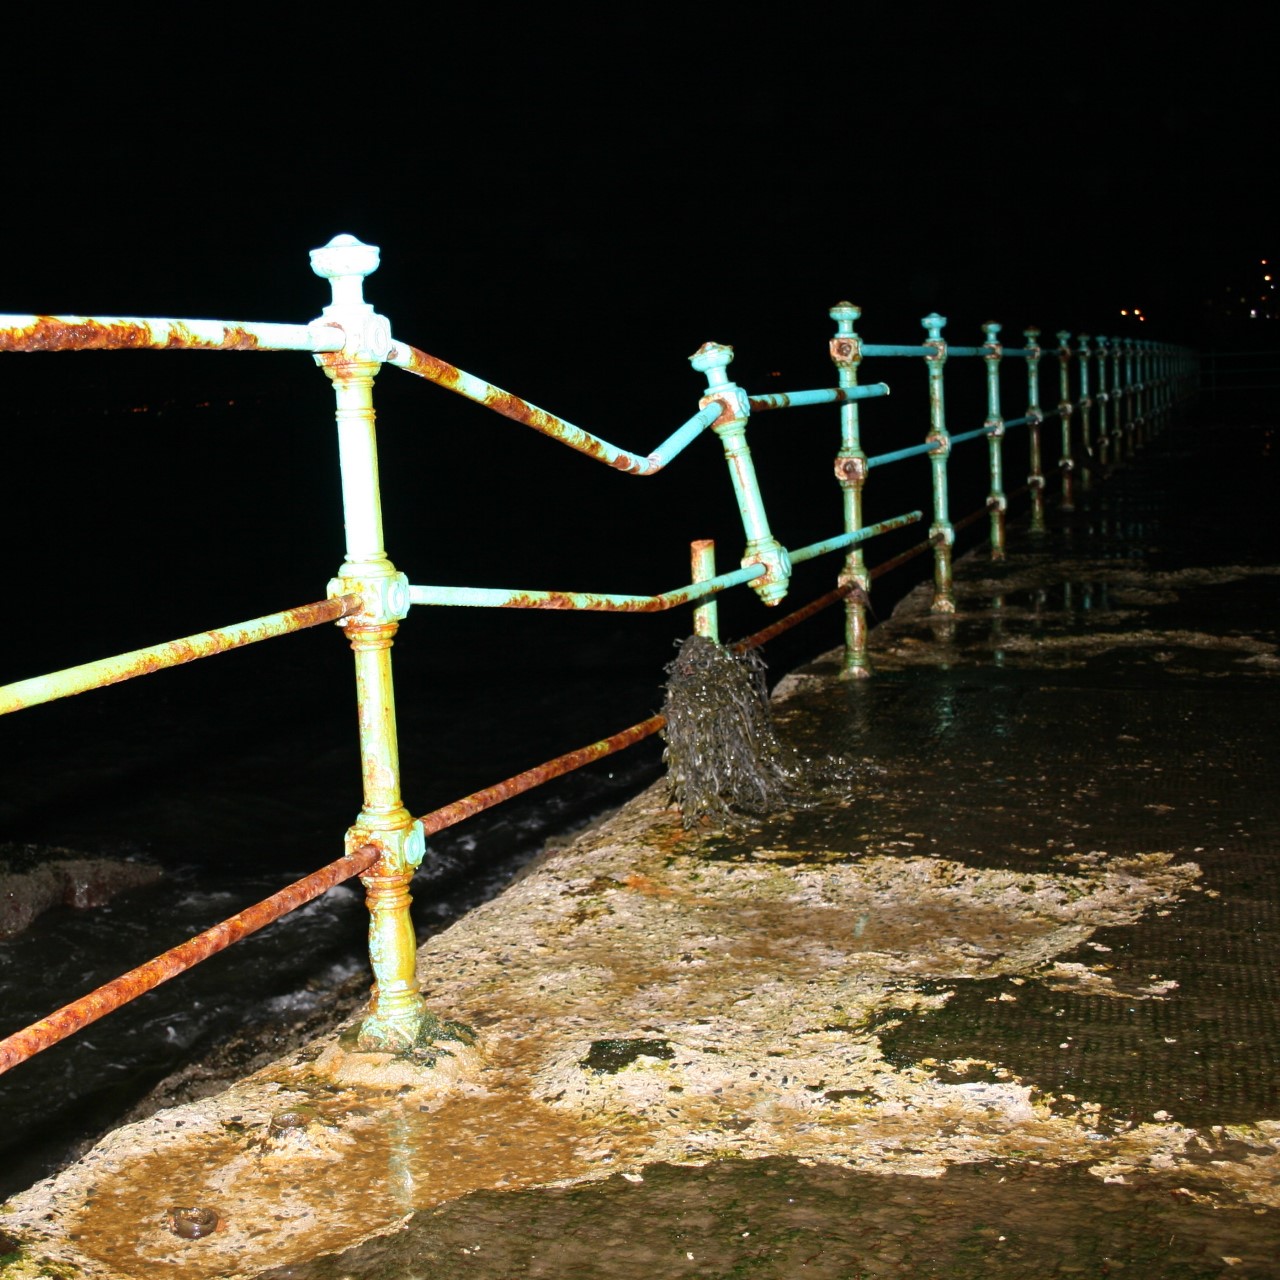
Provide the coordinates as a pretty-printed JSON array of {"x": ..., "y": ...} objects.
[{"x": 1133, "y": 387}]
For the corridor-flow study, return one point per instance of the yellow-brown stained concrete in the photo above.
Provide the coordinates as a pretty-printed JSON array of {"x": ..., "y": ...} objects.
[{"x": 752, "y": 991}]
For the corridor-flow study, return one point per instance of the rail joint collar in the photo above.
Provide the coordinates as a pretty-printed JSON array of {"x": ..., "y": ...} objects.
[{"x": 384, "y": 597}]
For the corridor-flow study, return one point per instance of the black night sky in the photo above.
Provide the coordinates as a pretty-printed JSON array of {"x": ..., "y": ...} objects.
[{"x": 613, "y": 189}]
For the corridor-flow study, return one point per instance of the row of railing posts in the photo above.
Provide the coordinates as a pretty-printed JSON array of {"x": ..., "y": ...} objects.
[{"x": 1136, "y": 384}]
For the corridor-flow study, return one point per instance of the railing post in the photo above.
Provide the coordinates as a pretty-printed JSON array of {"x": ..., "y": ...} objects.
[
  {"x": 1141, "y": 391},
  {"x": 1035, "y": 481},
  {"x": 706, "y": 616},
  {"x": 851, "y": 472},
  {"x": 396, "y": 1015},
  {"x": 712, "y": 359},
  {"x": 1086, "y": 410},
  {"x": 941, "y": 533},
  {"x": 1118, "y": 400},
  {"x": 1130, "y": 400},
  {"x": 1066, "y": 462},
  {"x": 1103, "y": 398},
  {"x": 996, "y": 501}
]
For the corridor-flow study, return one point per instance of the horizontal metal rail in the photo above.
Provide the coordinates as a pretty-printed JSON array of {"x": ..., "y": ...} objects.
[
  {"x": 503, "y": 598},
  {"x": 827, "y": 395},
  {"x": 793, "y": 619},
  {"x": 512, "y": 406},
  {"x": 912, "y": 451},
  {"x": 172, "y": 653},
  {"x": 451, "y": 814},
  {"x": 896, "y": 350},
  {"x": 115, "y": 333},
  {"x": 72, "y": 1017},
  {"x": 972, "y": 435}
]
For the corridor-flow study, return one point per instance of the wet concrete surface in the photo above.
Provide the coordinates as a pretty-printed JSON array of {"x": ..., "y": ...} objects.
[{"x": 1006, "y": 1007}]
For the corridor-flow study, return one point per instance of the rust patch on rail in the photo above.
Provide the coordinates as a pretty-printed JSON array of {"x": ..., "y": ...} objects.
[
  {"x": 48, "y": 333},
  {"x": 478, "y": 801},
  {"x": 510, "y": 405},
  {"x": 109, "y": 997}
]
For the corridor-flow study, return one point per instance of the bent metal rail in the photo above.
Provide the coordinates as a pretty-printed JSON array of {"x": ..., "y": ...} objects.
[{"x": 1137, "y": 385}]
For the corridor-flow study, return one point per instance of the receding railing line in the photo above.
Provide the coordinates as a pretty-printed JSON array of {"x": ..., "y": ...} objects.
[
  {"x": 172, "y": 653},
  {"x": 514, "y": 598},
  {"x": 828, "y": 395},
  {"x": 972, "y": 435},
  {"x": 1137, "y": 385},
  {"x": 911, "y": 451}
]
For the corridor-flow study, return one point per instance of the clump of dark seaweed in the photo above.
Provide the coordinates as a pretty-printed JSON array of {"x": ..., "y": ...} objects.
[{"x": 724, "y": 759}]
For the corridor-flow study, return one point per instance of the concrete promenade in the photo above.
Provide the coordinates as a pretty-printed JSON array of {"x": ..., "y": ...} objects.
[{"x": 1006, "y": 1008}]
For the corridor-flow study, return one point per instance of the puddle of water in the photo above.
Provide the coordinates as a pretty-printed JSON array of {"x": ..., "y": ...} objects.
[{"x": 279, "y": 1191}]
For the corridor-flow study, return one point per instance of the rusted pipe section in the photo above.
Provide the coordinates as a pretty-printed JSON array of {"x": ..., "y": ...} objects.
[
  {"x": 702, "y": 565},
  {"x": 759, "y": 638},
  {"x": 903, "y": 557},
  {"x": 451, "y": 814},
  {"x": 106, "y": 999},
  {"x": 141, "y": 662},
  {"x": 115, "y": 333},
  {"x": 449, "y": 376}
]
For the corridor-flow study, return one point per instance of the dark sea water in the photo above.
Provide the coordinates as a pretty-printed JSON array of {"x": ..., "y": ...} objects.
[{"x": 136, "y": 516}]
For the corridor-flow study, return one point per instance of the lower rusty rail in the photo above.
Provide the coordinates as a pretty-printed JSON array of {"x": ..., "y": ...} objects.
[
  {"x": 23, "y": 1044},
  {"x": 451, "y": 814},
  {"x": 803, "y": 614}
]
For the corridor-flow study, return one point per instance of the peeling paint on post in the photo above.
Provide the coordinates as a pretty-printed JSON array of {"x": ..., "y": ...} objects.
[
  {"x": 1066, "y": 462},
  {"x": 996, "y": 500},
  {"x": 396, "y": 1017},
  {"x": 712, "y": 359},
  {"x": 1118, "y": 417},
  {"x": 1130, "y": 399},
  {"x": 1141, "y": 398},
  {"x": 1086, "y": 407},
  {"x": 702, "y": 561},
  {"x": 851, "y": 474},
  {"x": 1103, "y": 400},
  {"x": 1035, "y": 480},
  {"x": 941, "y": 532}
]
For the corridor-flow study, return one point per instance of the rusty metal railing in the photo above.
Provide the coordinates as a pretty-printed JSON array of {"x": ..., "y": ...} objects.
[{"x": 1137, "y": 383}]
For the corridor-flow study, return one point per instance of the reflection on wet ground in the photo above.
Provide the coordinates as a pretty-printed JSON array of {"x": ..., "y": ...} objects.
[{"x": 777, "y": 1219}]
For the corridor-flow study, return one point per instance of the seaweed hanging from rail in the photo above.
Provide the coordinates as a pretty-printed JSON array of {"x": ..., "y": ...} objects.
[{"x": 724, "y": 759}]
